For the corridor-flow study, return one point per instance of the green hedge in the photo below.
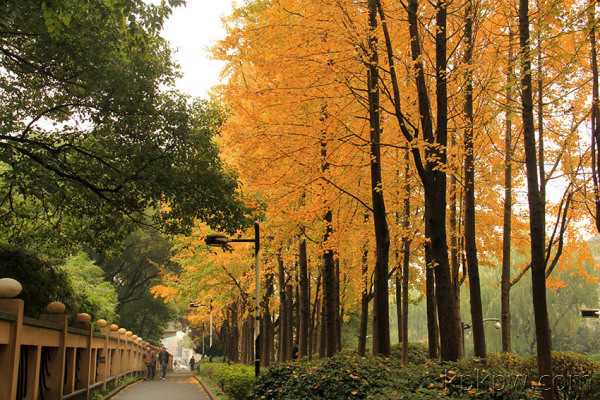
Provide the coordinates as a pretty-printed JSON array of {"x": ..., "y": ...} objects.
[
  {"x": 349, "y": 376},
  {"x": 235, "y": 380}
]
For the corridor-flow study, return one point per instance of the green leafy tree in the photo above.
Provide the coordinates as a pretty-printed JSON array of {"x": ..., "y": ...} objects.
[
  {"x": 98, "y": 296},
  {"x": 141, "y": 262},
  {"x": 42, "y": 282},
  {"x": 91, "y": 134},
  {"x": 148, "y": 317}
]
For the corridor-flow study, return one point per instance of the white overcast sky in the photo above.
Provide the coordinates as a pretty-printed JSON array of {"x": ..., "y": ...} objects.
[{"x": 192, "y": 30}]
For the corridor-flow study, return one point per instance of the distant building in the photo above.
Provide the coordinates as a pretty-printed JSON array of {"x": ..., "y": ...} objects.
[{"x": 178, "y": 343}]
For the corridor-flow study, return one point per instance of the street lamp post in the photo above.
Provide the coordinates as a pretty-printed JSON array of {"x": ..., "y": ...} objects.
[
  {"x": 220, "y": 240},
  {"x": 210, "y": 323}
]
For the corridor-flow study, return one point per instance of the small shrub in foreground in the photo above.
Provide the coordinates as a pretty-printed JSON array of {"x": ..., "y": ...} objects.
[{"x": 235, "y": 380}]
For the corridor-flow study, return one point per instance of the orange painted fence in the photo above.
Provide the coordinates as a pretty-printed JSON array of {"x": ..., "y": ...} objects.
[{"x": 46, "y": 359}]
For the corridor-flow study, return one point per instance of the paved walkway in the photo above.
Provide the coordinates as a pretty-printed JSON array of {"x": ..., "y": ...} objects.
[{"x": 178, "y": 386}]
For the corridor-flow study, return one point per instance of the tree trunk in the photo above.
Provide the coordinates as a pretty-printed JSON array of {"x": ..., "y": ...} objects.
[
  {"x": 454, "y": 247},
  {"x": 224, "y": 336},
  {"x": 296, "y": 306},
  {"x": 536, "y": 205},
  {"x": 314, "y": 321},
  {"x": 364, "y": 302},
  {"x": 406, "y": 241},
  {"x": 267, "y": 323},
  {"x": 540, "y": 109},
  {"x": 323, "y": 327},
  {"x": 436, "y": 201},
  {"x": 289, "y": 298},
  {"x": 283, "y": 311},
  {"x": 595, "y": 114},
  {"x": 329, "y": 326},
  {"x": 381, "y": 323},
  {"x": 398, "y": 289},
  {"x": 507, "y": 223},
  {"x": 338, "y": 306},
  {"x": 304, "y": 299},
  {"x": 470, "y": 232},
  {"x": 234, "y": 335},
  {"x": 434, "y": 178},
  {"x": 328, "y": 340},
  {"x": 243, "y": 342},
  {"x": 432, "y": 322}
]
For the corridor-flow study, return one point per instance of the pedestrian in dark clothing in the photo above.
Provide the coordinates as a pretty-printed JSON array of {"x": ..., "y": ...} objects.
[
  {"x": 192, "y": 363},
  {"x": 163, "y": 360}
]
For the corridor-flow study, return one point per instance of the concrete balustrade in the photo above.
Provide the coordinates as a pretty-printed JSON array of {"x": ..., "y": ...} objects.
[{"x": 47, "y": 359}]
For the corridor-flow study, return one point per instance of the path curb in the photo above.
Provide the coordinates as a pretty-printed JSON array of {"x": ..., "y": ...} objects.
[
  {"x": 119, "y": 389},
  {"x": 206, "y": 389}
]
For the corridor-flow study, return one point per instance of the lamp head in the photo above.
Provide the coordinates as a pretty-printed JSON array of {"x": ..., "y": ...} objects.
[
  {"x": 216, "y": 239},
  {"x": 590, "y": 313}
]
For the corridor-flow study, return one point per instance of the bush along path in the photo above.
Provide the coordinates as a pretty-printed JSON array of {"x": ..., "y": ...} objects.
[
  {"x": 349, "y": 376},
  {"x": 234, "y": 381}
]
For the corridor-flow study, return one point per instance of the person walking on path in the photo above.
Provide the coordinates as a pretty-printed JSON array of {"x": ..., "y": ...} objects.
[
  {"x": 192, "y": 363},
  {"x": 150, "y": 362},
  {"x": 163, "y": 359}
]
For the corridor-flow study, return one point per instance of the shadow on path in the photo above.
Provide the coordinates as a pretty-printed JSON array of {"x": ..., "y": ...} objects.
[{"x": 178, "y": 386}]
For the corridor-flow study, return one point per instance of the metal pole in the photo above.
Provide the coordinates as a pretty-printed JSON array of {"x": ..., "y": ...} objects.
[
  {"x": 210, "y": 342},
  {"x": 257, "y": 300}
]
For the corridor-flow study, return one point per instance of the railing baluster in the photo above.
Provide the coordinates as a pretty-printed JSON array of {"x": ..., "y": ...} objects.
[
  {"x": 11, "y": 357},
  {"x": 34, "y": 358}
]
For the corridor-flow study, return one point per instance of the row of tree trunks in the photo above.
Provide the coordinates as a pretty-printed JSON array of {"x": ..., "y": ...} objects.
[
  {"x": 247, "y": 341},
  {"x": 229, "y": 333},
  {"x": 298, "y": 326},
  {"x": 281, "y": 337}
]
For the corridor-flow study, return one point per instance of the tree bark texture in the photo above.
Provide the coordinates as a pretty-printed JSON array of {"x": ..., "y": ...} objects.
[
  {"x": 470, "y": 230},
  {"x": 381, "y": 323},
  {"x": 507, "y": 218},
  {"x": 536, "y": 205}
]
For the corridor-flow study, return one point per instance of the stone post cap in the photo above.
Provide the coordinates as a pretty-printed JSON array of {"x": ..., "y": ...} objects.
[
  {"x": 101, "y": 323},
  {"x": 10, "y": 288},
  {"x": 114, "y": 327},
  {"x": 129, "y": 333},
  {"x": 56, "y": 307},
  {"x": 122, "y": 331},
  {"x": 84, "y": 317}
]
